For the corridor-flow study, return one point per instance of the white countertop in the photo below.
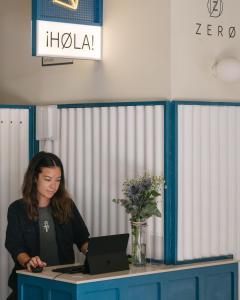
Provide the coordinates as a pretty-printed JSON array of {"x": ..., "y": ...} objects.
[{"x": 133, "y": 271}]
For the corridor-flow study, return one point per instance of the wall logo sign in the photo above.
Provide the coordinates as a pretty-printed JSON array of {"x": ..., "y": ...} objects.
[
  {"x": 208, "y": 30},
  {"x": 72, "y": 4},
  {"x": 67, "y": 28},
  {"x": 215, "y": 8}
]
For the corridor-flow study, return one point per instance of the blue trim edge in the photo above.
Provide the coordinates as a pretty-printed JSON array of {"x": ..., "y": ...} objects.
[
  {"x": 204, "y": 259},
  {"x": 111, "y": 104},
  {"x": 219, "y": 103},
  {"x": 33, "y": 143},
  {"x": 170, "y": 171}
]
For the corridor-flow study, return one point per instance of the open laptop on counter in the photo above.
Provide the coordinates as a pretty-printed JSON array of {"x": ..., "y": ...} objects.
[{"x": 105, "y": 254}]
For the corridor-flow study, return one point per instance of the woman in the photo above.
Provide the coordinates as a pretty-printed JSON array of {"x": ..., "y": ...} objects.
[{"x": 45, "y": 223}]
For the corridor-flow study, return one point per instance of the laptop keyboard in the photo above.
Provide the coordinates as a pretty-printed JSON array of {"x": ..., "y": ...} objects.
[{"x": 71, "y": 269}]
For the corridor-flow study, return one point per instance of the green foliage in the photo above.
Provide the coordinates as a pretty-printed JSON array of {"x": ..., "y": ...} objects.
[{"x": 141, "y": 196}]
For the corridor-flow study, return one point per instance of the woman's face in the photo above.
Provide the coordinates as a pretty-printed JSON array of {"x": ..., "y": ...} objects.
[{"x": 48, "y": 182}]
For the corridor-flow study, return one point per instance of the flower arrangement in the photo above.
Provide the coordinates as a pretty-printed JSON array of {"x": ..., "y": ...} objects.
[
  {"x": 141, "y": 203},
  {"x": 140, "y": 197}
]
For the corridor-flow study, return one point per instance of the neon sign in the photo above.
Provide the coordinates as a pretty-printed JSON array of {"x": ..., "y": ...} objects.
[
  {"x": 72, "y": 4},
  {"x": 67, "y": 28}
]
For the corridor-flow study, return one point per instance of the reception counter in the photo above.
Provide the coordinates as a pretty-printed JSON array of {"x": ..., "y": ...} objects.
[{"x": 201, "y": 281}]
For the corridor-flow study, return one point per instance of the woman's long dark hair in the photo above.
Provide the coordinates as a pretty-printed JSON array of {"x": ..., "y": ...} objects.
[{"x": 61, "y": 203}]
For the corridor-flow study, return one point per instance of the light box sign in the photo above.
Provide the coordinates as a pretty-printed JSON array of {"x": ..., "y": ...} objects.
[{"x": 67, "y": 28}]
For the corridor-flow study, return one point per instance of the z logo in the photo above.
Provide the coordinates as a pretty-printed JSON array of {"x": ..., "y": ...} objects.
[
  {"x": 72, "y": 4},
  {"x": 215, "y": 8}
]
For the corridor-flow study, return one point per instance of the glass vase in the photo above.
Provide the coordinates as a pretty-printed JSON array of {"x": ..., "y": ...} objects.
[{"x": 138, "y": 230}]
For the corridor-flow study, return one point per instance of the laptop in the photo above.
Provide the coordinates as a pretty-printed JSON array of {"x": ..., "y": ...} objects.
[{"x": 105, "y": 254}]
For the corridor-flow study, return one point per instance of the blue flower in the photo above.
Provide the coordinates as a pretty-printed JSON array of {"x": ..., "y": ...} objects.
[
  {"x": 146, "y": 183},
  {"x": 133, "y": 190}
]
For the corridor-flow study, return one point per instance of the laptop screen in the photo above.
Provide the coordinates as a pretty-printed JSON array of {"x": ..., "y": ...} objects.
[{"x": 107, "y": 254}]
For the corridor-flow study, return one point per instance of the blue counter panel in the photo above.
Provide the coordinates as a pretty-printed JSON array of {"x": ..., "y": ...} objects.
[
  {"x": 33, "y": 291},
  {"x": 30, "y": 287},
  {"x": 218, "y": 286},
  {"x": 206, "y": 283},
  {"x": 110, "y": 294},
  {"x": 61, "y": 295},
  {"x": 141, "y": 291},
  {"x": 186, "y": 289}
]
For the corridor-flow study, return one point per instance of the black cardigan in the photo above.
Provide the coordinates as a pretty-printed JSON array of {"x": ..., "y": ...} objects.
[{"x": 22, "y": 235}]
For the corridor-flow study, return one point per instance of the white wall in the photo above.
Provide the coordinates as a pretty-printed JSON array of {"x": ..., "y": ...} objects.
[
  {"x": 192, "y": 55},
  {"x": 139, "y": 62},
  {"x": 135, "y": 64}
]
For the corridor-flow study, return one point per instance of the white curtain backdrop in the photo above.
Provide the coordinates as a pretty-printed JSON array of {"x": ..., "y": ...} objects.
[
  {"x": 208, "y": 181},
  {"x": 14, "y": 155},
  {"x": 101, "y": 147}
]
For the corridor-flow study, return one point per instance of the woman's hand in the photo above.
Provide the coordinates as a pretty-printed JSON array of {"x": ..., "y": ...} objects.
[
  {"x": 34, "y": 262},
  {"x": 84, "y": 248}
]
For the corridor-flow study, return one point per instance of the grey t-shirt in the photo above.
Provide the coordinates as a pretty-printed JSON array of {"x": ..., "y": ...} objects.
[{"x": 48, "y": 244}]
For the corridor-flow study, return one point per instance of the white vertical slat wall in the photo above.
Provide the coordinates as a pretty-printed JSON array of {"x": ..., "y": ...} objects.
[
  {"x": 14, "y": 155},
  {"x": 101, "y": 147},
  {"x": 208, "y": 181}
]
